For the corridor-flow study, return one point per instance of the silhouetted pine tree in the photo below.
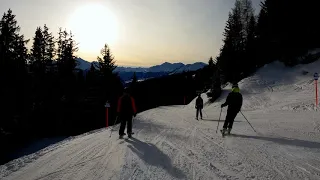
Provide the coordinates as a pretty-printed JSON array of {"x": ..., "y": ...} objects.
[
  {"x": 270, "y": 21},
  {"x": 65, "y": 53},
  {"x": 249, "y": 28},
  {"x": 13, "y": 56},
  {"x": 69, "y": 53},
  {"x": 286, "y": 30},
  {"x": 108, "y": 80},
  {"x": 210, "y": 62},
  {"x": 91, "y": 75},
  {"x": 215, "y": 84},
  {"x": 37, "y": 54},
  {"x": 237, "y": 57},
  {"x": 60, "y": 47},
  {"x": 13, "y": 47},
  {"x": 106, "y": 68},
  {"x": 230, "y": 58},
  {"x": 20, "y": 55},
  {"x": 66, "y": 61},
  {"x": 247, "y": 12},
  {"x": 212, "y": 70},
  {"x": 49, "y": 45},
  {"x": 106, "y": 63},
  {"x": 250, "y": 48}
]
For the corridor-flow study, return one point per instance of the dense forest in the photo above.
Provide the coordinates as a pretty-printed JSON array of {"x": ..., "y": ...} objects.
[
  {"x": 43, "y": 93},
  {"x": 283, "y": 30}
]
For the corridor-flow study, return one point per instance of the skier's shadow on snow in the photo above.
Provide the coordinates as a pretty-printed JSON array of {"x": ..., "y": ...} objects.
[
  {"x": 153, "y": 156},
  {"x": 291, "y": 142},
  {"x": 215, "y": 120}
]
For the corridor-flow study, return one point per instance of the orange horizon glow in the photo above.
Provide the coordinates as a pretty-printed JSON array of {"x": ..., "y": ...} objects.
[{"x": 139, "y": 32}]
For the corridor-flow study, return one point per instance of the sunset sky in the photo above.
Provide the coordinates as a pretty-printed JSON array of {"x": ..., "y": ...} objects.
[{"x": 139, "y": 32}]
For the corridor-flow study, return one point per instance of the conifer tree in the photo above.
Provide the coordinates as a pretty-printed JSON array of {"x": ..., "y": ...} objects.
[
  {"x": 90, "y": 78},
  {"x": 13, "y": 56},
  {"x": 13, "y": 51},
  {"x": 49, "y": 45},
  {"x": 66, "y": 53},
  {"x": 232, "y": 51},
  {"x": 37, "y": 54},
  {"x": 106, "y": 62},
  {"x": 237, "y": 56},
  {"x": 210, "y": 62}
]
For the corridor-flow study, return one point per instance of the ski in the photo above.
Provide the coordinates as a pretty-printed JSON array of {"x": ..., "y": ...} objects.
[
  {"x": 125, "y": 138},
  {"x": 129, "y": 136},
  {"x": 223, "y": 134}
]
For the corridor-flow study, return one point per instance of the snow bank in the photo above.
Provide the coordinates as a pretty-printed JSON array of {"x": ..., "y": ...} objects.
[
  {"x": 274, "y": 87},
  {"x": 281, "y": 87}
]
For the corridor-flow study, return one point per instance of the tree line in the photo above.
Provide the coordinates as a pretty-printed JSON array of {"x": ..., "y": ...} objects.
[
  {"x": 43, "y": 93},
  {"x": 283, "y": 30}
]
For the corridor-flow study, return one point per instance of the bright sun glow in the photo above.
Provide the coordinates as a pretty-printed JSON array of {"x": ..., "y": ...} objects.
[{"x": 93, "y": 25}]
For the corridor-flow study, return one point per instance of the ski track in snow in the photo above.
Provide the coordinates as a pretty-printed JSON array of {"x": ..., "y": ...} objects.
[{"x": 170, "y": 144}]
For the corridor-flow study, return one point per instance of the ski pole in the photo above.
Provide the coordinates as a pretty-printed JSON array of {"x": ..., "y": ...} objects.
[
  {"x": 133, "y": 121},
  {"x": 113, "y": 126},
  {"x": 248, "y": 121},
  {"x": 206, "y": 114},
  {"x": 219, "y": 120}
]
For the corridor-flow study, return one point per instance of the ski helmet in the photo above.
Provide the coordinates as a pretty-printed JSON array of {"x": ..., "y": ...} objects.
[{"x": 236, "y": 89}]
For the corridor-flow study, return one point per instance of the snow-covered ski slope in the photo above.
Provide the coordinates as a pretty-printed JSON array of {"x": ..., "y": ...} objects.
[{"x": 170, "y": 144}]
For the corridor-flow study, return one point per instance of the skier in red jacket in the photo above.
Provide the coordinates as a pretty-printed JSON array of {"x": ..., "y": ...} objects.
[{"x": 126, "y": 110}]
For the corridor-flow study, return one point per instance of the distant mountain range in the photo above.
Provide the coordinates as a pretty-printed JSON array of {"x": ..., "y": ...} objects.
[{"x": 126, "y": 73}]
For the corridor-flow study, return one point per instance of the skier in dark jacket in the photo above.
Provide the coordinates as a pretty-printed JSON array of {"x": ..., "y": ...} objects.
[
  {"x": 199, "y": 106},
  {"x": 234, "y": 103},
  {"x": 126, "y": 109}
]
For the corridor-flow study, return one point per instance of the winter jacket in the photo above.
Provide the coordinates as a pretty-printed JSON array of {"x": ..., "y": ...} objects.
[
  {"x": 126, "y": 105},
  {"x": 234, "y": 102},
  {"x": 199, "y": 103}
]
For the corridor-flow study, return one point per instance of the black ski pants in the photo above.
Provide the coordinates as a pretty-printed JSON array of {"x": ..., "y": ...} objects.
[
  {"x": 231, "y": 115},
  {"x": 199, "y": 110},
  {"x": 125, "y": 120}
]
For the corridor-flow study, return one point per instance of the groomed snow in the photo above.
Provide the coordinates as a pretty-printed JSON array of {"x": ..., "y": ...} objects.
[{"x": 170, "y": 144}]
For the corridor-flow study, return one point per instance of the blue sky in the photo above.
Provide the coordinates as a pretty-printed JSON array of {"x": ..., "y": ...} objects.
[{"x": 139, "y": 32}]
